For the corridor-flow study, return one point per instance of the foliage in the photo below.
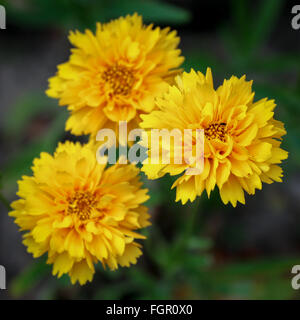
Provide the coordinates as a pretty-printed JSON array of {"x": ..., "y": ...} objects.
[{"x": 83, "y": 13}]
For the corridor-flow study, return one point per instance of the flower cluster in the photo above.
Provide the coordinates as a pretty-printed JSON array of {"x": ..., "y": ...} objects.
[{"x": 80, "y": 212}]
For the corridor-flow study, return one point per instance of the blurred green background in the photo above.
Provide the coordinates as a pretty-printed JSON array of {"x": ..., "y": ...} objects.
[{"x": 222, "y": 253}]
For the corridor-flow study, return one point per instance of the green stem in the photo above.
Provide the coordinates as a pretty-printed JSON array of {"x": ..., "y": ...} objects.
[
  {"x": 191, "y": 220},
  {"x": 5, "y": 202},
  {"x": 188, "y": 230}
]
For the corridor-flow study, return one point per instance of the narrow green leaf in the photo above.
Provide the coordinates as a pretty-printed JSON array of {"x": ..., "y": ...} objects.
[
  {"x": 152, "y": 11},
  {"x": 19, "y": 164},
  {"x": 24, "y": 110},
  {"x": 264, "y": 22},
  {"x": 29, "y": 278}
]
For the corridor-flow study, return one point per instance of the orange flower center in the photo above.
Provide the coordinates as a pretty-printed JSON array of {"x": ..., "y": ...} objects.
[
  {"x": 120, "y": 79},
  {"x": 216, "y": 131},
  {"x": 81, "y": 204}
]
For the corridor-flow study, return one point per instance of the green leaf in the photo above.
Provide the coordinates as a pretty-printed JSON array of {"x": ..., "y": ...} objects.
[
  {"x": 272, "y": 267},
  {"x": 24, "y": 110},
  {"x": 251, "y": 28},
  {"x": 264, "y": 22},
  {"x": 141, "y": 279},
  {"x": 81, "y": 14},
  {"x": 240, "y": 13},
  {"x": 262, "y": 279},
  {"x": 3, "y": 200},
  {"x": 29, "y": 278},
  {"x": 114, "y": 291},
  {"x": 151, "y": 10},
  {"x": 199, "y": 243},
  {"x": 201, "y": 61},
  {"x": 1, "y": 182},
  {"x": 275, "y": 63},
  {"x": 39, "y": 14},
  {"x": 19, "y": 164}
]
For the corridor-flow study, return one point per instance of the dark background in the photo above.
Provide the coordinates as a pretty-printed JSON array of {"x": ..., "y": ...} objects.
[{"x": 241, "y": 253}]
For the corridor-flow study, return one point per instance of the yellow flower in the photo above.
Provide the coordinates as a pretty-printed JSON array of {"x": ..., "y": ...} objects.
[
  {"x": 80, "y": 212},
  {"x": 241, "y": 138},
  {"x": 112, "y": 75}
]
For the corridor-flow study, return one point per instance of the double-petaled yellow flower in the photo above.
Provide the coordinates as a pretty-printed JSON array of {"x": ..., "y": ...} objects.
[
  {"x": 80, "y": 212},
  {"x": 241, "y": 137},
  {"x": 114, "y": 74}
]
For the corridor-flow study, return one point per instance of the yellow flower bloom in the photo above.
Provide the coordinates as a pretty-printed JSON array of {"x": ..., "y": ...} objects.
[
  {"x": 241, "y": 138},
  {"x": 112, "y": 75},
  {"x": 80, "y": 212}
]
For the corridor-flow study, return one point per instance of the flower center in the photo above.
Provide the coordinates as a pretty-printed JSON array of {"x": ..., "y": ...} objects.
[
  {"x": 120, "y": 79},
  {"x": 216, "y": 131},
  {"x": 81, "y": 204}
]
